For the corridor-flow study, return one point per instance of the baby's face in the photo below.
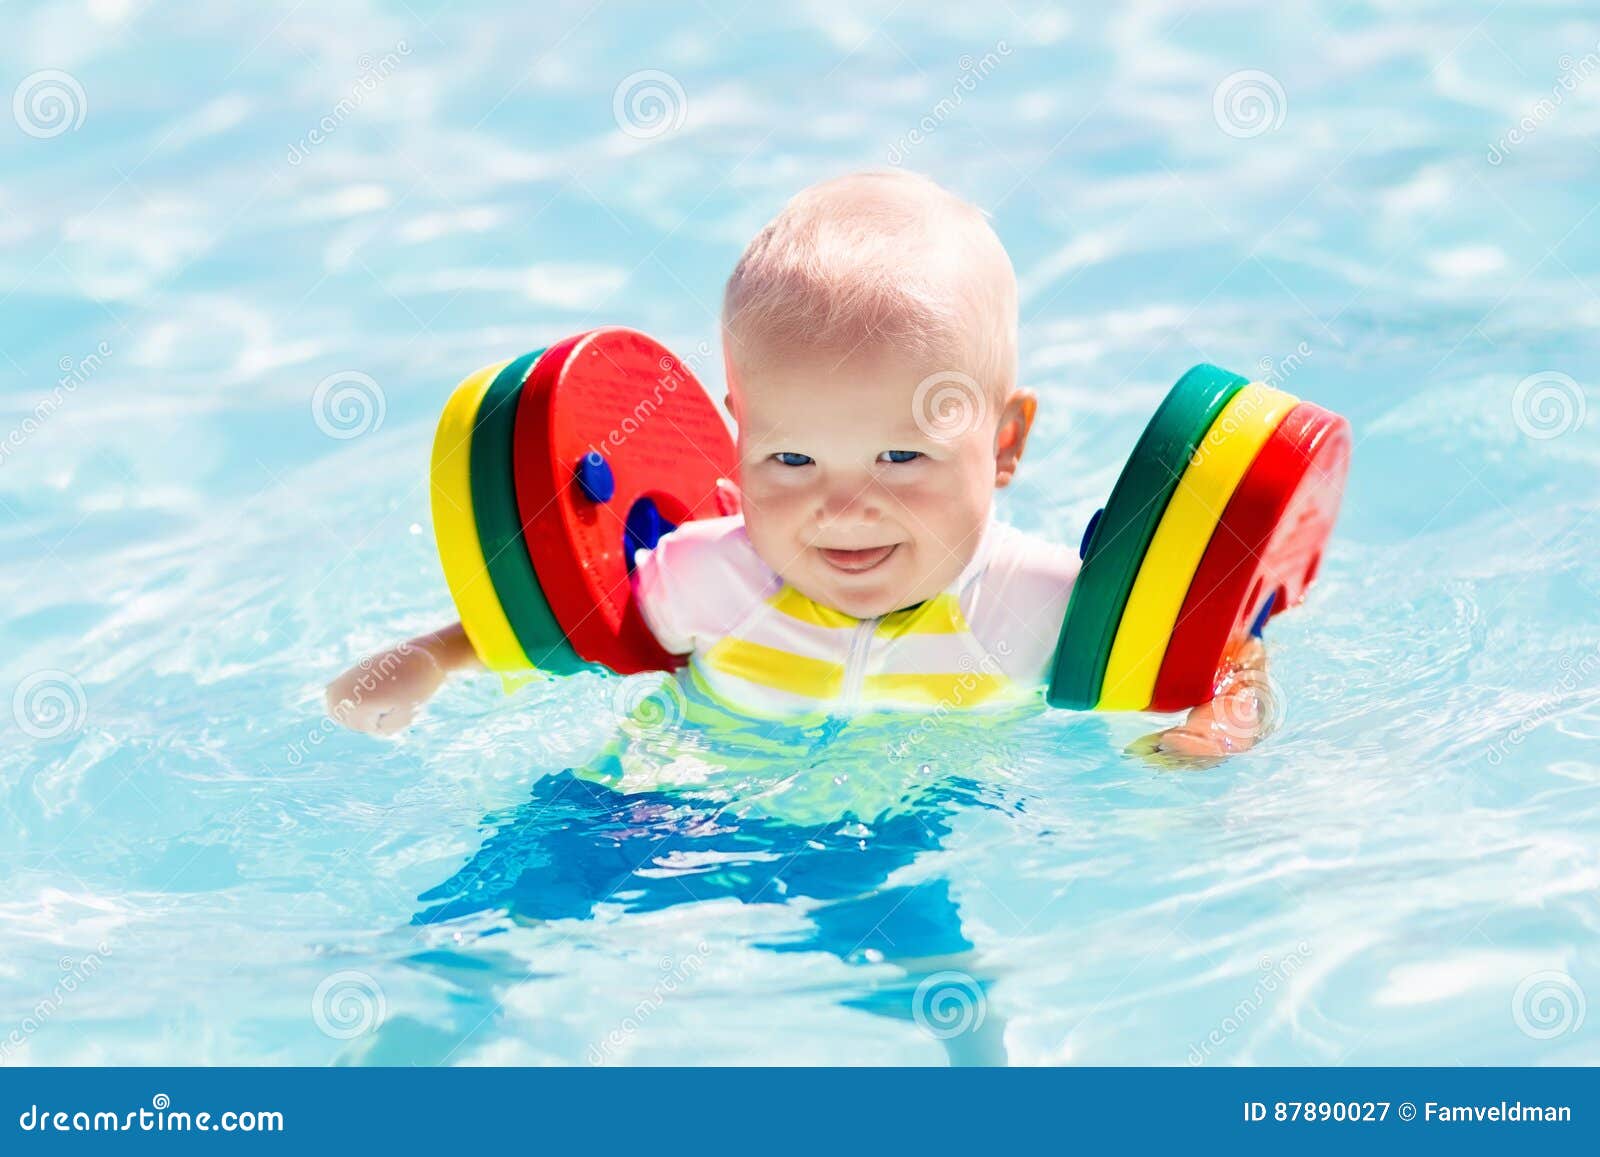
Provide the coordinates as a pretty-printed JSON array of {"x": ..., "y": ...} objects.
[{"x": 863, "y": 491}]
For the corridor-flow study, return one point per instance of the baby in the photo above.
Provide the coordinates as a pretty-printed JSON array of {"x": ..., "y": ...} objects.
[{"x": 870, "y": 342}]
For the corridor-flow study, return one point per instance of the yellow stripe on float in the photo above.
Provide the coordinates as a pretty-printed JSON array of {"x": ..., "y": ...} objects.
[
  {"x": 456, "y": 531},
  {"x": 1213, "y": 473}
]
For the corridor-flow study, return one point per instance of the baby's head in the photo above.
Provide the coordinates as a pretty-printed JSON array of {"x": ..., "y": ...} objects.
[{"x": 870, "y": 334}]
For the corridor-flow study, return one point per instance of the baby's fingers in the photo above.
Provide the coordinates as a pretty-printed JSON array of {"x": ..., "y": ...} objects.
[{"x": 369, "y": 714}]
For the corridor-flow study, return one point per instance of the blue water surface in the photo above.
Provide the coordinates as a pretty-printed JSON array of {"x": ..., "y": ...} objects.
[{"x": 246, "y": 251}]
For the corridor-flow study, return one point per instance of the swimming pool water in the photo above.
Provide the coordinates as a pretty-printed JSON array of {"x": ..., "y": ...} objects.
[{"x": 247, "y": 253}]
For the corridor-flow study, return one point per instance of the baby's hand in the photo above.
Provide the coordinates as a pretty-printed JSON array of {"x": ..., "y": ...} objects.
[
  {"x": 381, "y": 694},
  {"x": 1229, "y": 723}
]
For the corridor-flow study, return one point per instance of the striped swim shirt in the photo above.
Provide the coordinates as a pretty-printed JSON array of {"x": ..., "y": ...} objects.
[{"x": 759, "y": 646}]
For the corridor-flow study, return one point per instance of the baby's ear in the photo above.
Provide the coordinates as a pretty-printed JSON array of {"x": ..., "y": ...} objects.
[{"x": 1016, "y": 419}]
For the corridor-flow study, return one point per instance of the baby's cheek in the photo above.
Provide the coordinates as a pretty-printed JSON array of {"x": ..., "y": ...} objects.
[{"x": 771, "y": 507}]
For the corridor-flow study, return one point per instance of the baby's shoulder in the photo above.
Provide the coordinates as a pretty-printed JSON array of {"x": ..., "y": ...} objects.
[
  {"x": 1012, "y": 555},
  {"x": 711, "y": 549},
  {"x": 1017, "y": 597},
  {"x": 699, "y": 580}
]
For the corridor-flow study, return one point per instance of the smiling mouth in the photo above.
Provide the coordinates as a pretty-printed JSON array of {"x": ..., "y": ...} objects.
[{"x": 856, "y": 561}]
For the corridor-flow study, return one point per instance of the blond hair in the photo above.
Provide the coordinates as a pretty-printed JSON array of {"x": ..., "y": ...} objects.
[{"x": 883, "y": 257}]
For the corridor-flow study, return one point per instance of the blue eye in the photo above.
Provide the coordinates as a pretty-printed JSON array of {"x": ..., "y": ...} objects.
[
  {"x": 790, "y": 458},
  {"x": 902, "y": 455}
]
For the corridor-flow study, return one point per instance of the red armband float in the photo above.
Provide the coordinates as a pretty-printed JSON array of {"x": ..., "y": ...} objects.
[
  {"x": 1218, "y": 521},
  {"x": 548, "y": 474}
]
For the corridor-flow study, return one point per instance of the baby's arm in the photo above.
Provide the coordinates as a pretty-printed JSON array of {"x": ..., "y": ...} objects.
[
  {"x": 1029, "y": 583},
  {"x": 381, "y": 693},
  {"x": 1235, "y": 719}
]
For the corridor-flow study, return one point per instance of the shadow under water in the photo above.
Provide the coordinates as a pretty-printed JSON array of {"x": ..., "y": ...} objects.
[{"x": 718, "y": 808}]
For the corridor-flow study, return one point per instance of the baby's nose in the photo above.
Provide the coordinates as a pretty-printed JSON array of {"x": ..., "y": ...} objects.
[{"x": 849, "y": 504}]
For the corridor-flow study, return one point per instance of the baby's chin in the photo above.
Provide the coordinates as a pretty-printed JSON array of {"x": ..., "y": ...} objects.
[{"x": 859, "y": 598}]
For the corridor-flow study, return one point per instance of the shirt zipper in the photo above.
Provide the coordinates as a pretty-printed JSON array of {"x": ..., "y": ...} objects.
[{"x": 855, "y": 666}]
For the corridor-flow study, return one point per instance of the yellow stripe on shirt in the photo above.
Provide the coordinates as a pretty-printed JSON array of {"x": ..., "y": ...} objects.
[
  {"x": 940, "y": 615},
  {"x": 954, "y": 689},
  {"x": 768, "y": 666}
]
